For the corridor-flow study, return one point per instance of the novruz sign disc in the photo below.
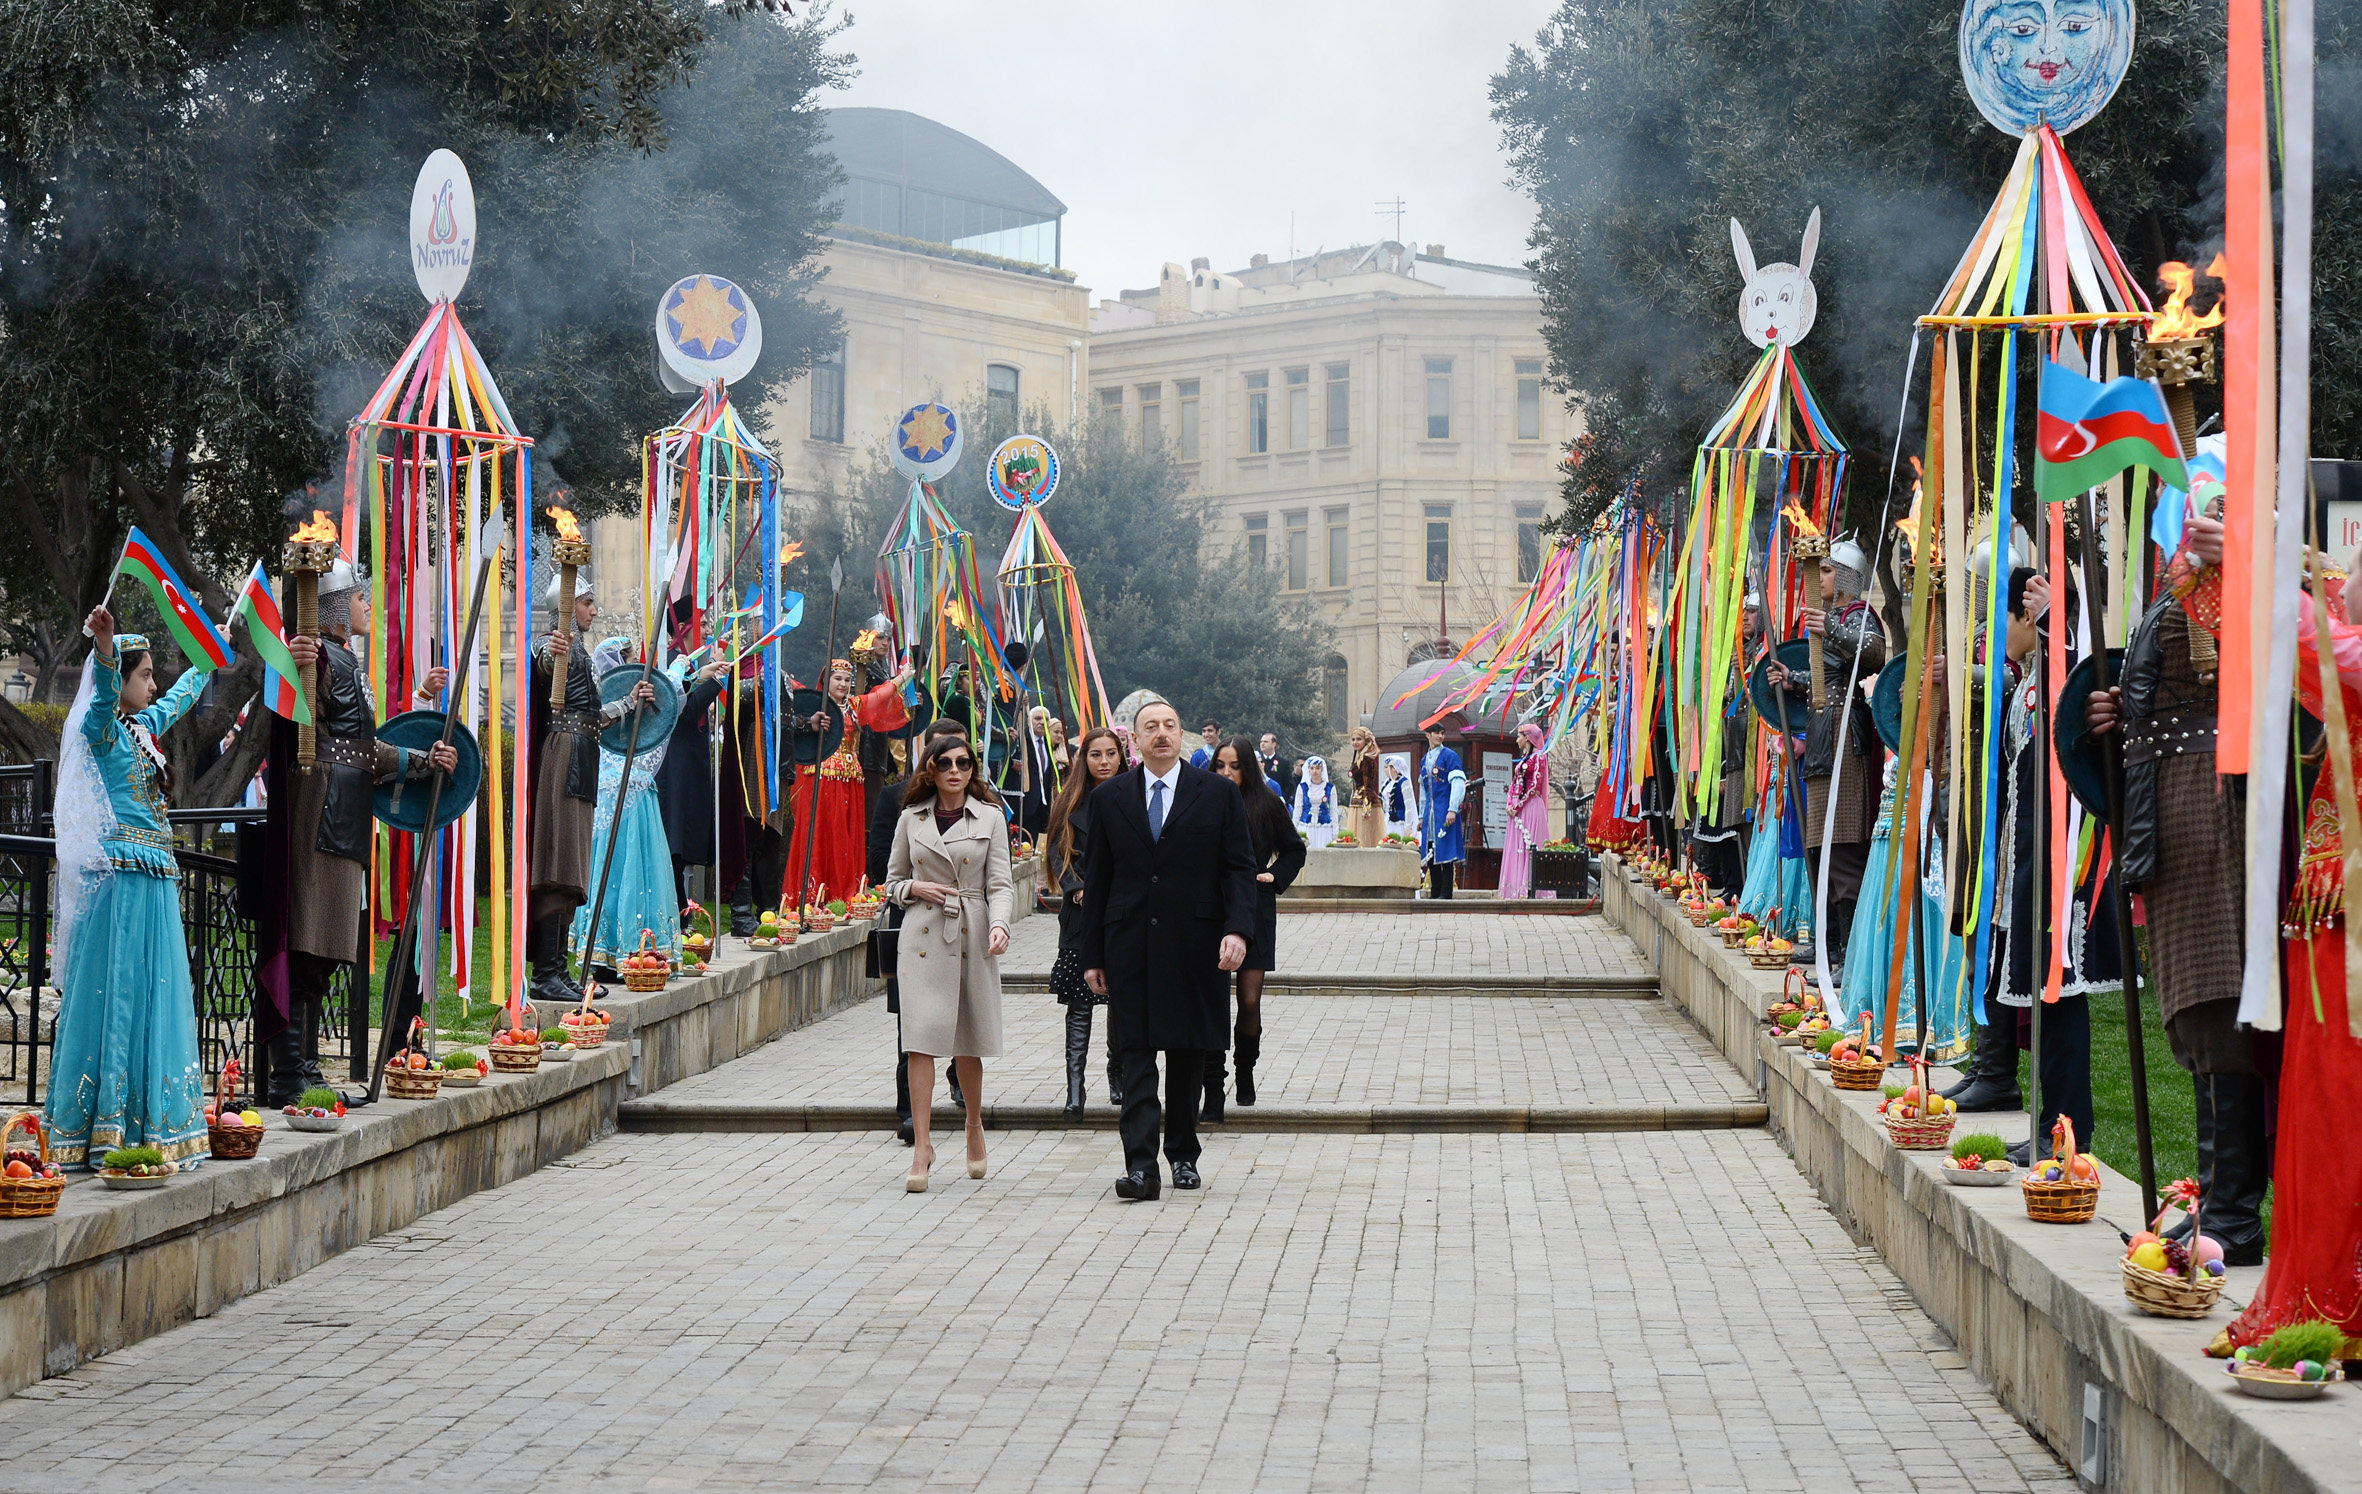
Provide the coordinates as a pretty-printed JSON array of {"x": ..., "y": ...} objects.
[
  {"x": 2055, "y": 62},
  {"x": 708, "y": 329},
  {"x": 1023, "y": 472},
  {"x": 442, "y": 227},
  {"x": 926, "y": 442}
]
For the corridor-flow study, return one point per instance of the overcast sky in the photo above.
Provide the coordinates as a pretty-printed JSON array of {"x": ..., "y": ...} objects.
[{"x": 1176, "y": 130}]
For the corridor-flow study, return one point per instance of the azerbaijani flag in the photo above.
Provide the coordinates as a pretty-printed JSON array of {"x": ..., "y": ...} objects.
[
  {"x": 269, "y": 636},
  {"x": 2086, "y": 432},
  {"x": 200, "y": 641}
]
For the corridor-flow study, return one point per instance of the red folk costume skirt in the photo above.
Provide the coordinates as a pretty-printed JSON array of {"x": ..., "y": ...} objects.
[
  {"x": 1609, "y": 831},
  {"x": 834, "y": 835},
  {"x": 2315, "y": 1267}
]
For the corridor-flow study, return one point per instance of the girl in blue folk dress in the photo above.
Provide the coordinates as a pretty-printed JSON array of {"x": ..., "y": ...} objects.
[
  {"x": 640, "y": 888},
  {"x": 124, "y": 1068}
]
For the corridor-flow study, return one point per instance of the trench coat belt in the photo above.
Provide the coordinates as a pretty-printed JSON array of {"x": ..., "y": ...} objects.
[{"x": 956, "y": 929}]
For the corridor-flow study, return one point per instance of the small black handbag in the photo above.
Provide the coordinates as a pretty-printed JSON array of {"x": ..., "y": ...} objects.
[{"x": 885, "y": 946}]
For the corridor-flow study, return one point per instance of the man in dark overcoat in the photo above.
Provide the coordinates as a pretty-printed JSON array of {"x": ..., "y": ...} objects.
[{"x": 1168, "y": 907}]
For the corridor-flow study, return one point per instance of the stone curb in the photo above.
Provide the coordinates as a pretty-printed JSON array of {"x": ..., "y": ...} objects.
[{"x": 1598, "y": 987}]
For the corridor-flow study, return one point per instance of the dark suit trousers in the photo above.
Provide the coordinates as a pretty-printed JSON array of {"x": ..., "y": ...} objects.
[{"x": 1184, "y": 1087}]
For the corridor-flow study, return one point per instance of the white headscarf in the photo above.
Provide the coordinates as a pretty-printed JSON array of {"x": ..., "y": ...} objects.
[
  {"x": 83, "y": 816},
  {"x": 1309, "y": 808}
]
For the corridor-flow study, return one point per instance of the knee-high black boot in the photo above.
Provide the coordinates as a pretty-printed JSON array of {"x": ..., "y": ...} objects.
[
  {"x": 1992, "y": 1082},
  {"x": 1078, "y": 1055},
  {"x": 1213, "y": 1081},
  {"x": 286, "y": 1065},
  {"x": 1250, "y": 1048},
  {"x": 2235, "y": 1164}
]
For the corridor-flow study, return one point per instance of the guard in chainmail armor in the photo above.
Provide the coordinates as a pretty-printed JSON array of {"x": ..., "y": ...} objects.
[
  {"x": 330, "y": 822},
  {"x": 1853, "y": 649}
]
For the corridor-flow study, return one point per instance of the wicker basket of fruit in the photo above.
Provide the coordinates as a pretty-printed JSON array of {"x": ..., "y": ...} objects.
[
  {"x": 409, "y": 1075},
  {"x": 1918, "y": 1119},
  {"x": 820, "y": 915},
  {"x": 135, "y": 1167},
  {"x": 515, "y": 1050},
  {"x": 586, "y": 1027},
  {"x": 235, "y": 1135},
  {"x": 2066, "y": 1189},
  {"x": 30, "y": 1184},
  {"x": 2174, "y": 1278},
  {"x": 776, "y": 930},
  {"x": 645, "y": 969},
  {"x": 1768, "y": 951}
]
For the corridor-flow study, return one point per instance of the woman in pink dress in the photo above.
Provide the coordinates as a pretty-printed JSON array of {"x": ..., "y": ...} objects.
[{"x": 1529, "y": 813}]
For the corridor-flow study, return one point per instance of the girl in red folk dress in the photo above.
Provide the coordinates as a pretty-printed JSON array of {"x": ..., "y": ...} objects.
[
  {"x": 833, "y": 854},
  {"x": 2314, "y": 1270}
]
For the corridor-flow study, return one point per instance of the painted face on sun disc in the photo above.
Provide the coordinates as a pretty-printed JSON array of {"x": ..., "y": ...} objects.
[{"x": 2027, "y": 62}]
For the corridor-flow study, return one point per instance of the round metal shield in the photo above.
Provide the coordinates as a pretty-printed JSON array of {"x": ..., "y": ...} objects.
[
  {"x": 1886, "y": 704},
  {"x": 805, "y": 745},
  {"x": 402, "y": 803},
  {"x": 656, "y": 718},
  {"x": 1022, "y": 472},
  {"x": 2070, "y": 731},
  {"x": 442, "y": 227},
  {"x": 926, "y": 443},
  {"x": 707, "y": 328},
  {"x": 1796, "y": 653}
]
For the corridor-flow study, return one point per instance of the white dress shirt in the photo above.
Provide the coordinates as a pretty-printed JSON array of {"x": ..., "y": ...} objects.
[{"x": 1171, "y": 780}]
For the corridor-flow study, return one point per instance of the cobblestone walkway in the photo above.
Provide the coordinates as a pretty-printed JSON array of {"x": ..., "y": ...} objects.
[
  {"x": 1406, "y": 1312},
  {"x": 1319, "y": 1050}
]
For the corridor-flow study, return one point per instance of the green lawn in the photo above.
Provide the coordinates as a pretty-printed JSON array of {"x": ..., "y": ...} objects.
[{"x": 455, "y": 1026}]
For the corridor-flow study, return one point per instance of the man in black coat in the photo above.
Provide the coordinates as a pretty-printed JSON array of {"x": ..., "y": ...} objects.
[
  {"x": 685, "y": 783},
  {"x": 1168, "y": 907},
  {"x": 885, "y": 812}
]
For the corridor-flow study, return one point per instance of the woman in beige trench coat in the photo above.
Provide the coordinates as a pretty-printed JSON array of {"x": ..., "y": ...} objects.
[{"x": 950, "y": 870}]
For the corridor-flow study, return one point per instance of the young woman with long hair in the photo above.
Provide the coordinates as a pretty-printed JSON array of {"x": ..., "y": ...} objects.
[
  {"x": 949, "y": 872},
  {"x": 1279, "y": 856},
  {"x": 1101, "y": 754}
]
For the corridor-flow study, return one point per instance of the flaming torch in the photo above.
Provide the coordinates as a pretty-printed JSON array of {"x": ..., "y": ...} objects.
[
  {"x": 1907, "y": 564},
  {"x": 572, "y": 552},
  {"x": 310, "y": 554},
  {"x": 2179, "y": 350},
  {"x": 1809, "y": 544}
]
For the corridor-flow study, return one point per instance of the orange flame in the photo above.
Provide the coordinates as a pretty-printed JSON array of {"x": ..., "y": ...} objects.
[
  {"x": 789, "y": 553},
  {"x": 2177, "y": 320},
  {"x": 865, "y": 640},
  {"x": 314, "y": 529},
  {"x": 1907, "y": 527},
  {"x": 1799, "y": 519},
  {"x": 564, "y": 519}
]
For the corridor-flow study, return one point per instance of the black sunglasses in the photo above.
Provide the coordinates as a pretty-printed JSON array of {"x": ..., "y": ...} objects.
[{"x": 963, "y": 764}]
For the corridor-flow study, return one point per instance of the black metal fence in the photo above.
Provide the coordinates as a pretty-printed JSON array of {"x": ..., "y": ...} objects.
[{"x": 221, "y": 945}]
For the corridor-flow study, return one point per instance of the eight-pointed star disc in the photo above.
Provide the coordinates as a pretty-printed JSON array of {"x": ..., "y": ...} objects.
[
  {"x": 707, "y": 328},
  {"x": 926, "y": 442}
]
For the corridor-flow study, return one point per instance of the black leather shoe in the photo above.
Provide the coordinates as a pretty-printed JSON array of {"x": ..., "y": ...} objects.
[
  {"x": 908, "y": 1136},
  {"x": 1185, "y": 1175},
  {"x": 2022, "y": 1154},
  {"x": 1987, "y": 1094},
  {"x": 1139, "y": 1185}
]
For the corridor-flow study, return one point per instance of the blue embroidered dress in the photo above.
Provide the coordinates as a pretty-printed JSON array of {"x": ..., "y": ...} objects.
[
  {"x": 640, "y": 888},
  {"x": 124, "y": 1070}
]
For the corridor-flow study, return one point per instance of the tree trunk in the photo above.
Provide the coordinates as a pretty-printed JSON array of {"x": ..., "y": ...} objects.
[{"x": 23, "y": 738}]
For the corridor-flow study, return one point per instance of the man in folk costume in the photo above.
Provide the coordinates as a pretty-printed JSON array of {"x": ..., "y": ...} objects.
[
  {"x": 565, "y": 787},
  {"x": 322, "y": 824},
  {"x": 1853, "y": 649},
  {"x": 2185, "y": 852},
  {"x": 1443, "y": 788}
]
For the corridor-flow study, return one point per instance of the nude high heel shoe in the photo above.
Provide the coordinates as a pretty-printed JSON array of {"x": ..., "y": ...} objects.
[
  {"x": 975, "y": 1147},
  {"x": 917, "y": 1181}
]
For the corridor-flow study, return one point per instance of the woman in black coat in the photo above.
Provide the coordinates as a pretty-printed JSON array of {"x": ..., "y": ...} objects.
[
  {"x": 1066, "y": 837},
  {"x": 1279, "y": 857},
  {"x": 685, "y": 783}
]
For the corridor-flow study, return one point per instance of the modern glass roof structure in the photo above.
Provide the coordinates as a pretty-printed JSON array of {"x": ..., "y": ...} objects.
[{"x": 910, "y": 176}]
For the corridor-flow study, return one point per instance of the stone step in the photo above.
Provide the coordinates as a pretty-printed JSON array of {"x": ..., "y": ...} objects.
[
  {"x": 663, "y": 1115},
  {"x": 1632, "y": 987}
]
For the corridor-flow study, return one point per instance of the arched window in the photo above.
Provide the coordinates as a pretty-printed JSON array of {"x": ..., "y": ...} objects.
[{"x": 1332, "y": 690}]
